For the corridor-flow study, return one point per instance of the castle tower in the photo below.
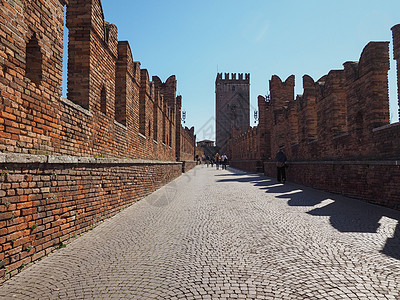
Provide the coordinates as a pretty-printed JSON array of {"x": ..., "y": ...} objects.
[{"x": 232, "y": 106}]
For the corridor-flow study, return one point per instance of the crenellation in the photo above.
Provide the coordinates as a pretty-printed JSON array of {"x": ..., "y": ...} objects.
[
  {"x": 113, "y": 114},
  {"x": 94, "y": 12},
  {"x": 396, "y": 55},
  {"x": 332, "y": 110},
  {"x": 281, "y": 92},
  {"x": 111, "y": 38},
  {"x": 335, "y": 117},
  {"x": 170, "y": 92},
  {"x": 307, "y": 111},
  {"x": 374, "y": 58},
  {"x": 233, "y": 77}
]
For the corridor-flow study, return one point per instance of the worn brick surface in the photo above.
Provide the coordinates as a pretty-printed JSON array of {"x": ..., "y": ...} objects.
[
  {"x": 227, "y": 235},
  {"x": 113, "y": 110},
  {"x": 232, "y": 92},
  {"x": 62, "y": 200},
  {"x": 343, "y": 116},
  {"x": 373, "y": 181}
]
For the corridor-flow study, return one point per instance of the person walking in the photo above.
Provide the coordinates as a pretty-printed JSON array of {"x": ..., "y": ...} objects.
[
  {"x": 217, "y": 160},
  {"x": 281, "y": 159},
  {"x": 224, "y": 160}
]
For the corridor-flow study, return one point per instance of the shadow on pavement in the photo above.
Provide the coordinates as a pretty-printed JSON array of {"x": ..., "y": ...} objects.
[{"x": 345, "y": 214}]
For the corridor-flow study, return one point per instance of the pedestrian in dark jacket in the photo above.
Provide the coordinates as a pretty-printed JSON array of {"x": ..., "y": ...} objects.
[{"x": 281, "y": 159}]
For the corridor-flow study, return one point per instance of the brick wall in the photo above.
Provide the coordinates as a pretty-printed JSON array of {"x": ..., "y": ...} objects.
[
  {"x": 344, "y": 115},
  {"x": 232, "y": 106},
  {"x": 186, "y": 144},
  {"x": 372, "y": 181},
  {"x": 108, "y": 114},
  {"x": 396, "y": 55},
  {"x": 46, "y": 200},
  {"x": 66, "y": 164},
  {"x": 250, "y": 165}
]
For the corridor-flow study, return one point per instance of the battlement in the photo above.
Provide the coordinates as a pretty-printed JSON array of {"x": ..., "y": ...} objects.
[
  {"x": 342, "y": 115},
  {"x": 281, "y": 92},
  {"x": 233, "y": 78},
  {"x": 396, "y": 41},
  {"x": 120, "y": 111},
  {"x": 113, "y": 111}
]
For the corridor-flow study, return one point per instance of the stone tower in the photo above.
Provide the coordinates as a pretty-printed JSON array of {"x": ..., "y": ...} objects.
[{"x": 232, "y": 106}]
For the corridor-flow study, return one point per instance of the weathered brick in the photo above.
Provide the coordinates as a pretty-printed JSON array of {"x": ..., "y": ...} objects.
[
  {"x": 36, "y": 120},
  {"x": 342, "y": 117}
]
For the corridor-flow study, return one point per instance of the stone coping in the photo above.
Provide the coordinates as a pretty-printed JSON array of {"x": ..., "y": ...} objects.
[
  {"x": 76, "y": 106},
  {"x": 120, "y": 125},
  {"x": 393, "y": 125},
  {"x": 17, "y": 158}
]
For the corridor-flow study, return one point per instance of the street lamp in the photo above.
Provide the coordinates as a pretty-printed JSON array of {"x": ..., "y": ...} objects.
[
  {"x": 255, "y": 116},
  {"x": 184, "y": 116}
]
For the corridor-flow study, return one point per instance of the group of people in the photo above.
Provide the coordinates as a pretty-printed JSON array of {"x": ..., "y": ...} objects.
[
  {"x": 218, "y": 160},
  {"x": 222, "y": 160}
]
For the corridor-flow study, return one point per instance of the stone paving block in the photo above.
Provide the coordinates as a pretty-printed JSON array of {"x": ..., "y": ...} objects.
[{"x": 226, "y": 235}]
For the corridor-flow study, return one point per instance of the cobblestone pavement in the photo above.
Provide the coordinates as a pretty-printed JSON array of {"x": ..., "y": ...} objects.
[{"x": 227, "y": 235}]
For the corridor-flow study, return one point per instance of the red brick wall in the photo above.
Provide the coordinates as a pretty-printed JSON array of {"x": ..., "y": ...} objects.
[
  {"x": 345, "y": 114},
  {"x": 45, "y": 200},
  {"x": 342, "y": 116},
  {"x": 396, "y": 55},
  {"x": 186, "y": 144},
  {"x": 351, "y": 102},
  {"x": 250, "y": 165},
  {"x": 27, "y": 115},
  {"x": 372, "y": 181},
  {"x": 33, "y": 118},
  {"x": 187, "y": 165}
]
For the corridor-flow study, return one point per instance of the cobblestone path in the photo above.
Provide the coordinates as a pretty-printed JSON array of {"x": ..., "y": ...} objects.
[{"x": 227, "y": 235}]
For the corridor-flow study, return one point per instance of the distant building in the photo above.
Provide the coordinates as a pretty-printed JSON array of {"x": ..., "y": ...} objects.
[
  {"x": 206, "y": 143},
  {"x": 232, "y": 106},
  {"x": 208, "y": 147}
]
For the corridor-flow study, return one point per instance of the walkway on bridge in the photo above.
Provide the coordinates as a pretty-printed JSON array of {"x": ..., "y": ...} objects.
[{"x": 216, "y": 234}]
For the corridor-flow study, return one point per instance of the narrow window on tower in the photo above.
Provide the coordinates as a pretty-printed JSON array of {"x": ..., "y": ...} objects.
[{"x": 233, "y": 88}]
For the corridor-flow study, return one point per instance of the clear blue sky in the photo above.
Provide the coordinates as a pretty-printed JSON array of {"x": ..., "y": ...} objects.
[{"x": 193, "y": 39}]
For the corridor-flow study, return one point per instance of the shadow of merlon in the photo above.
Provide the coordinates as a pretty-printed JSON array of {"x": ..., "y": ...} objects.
[
  {"x": 392, "y": 246},
  {"x": 345, "y": 214}
]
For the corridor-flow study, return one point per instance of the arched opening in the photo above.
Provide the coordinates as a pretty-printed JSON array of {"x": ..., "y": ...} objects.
[
  {"x": 34, "y": 60},
  {"x": 103, "y": 100},
  {"x": 359, "y": 123},
  {"x": 149, "y": 129}
]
